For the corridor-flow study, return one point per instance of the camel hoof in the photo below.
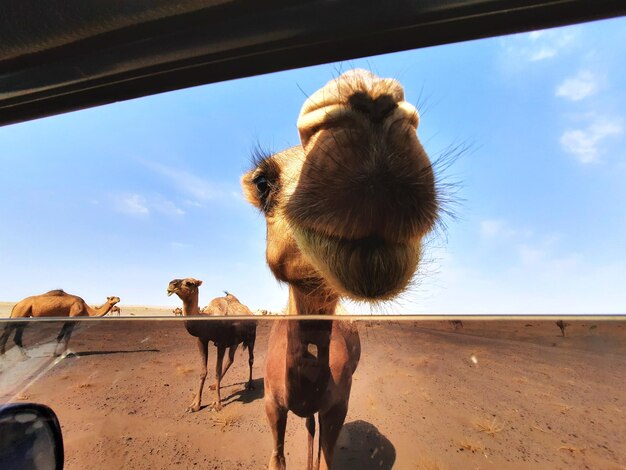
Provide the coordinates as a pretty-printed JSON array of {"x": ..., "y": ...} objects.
[
  {"x": 215, "y": 406},
  {"x": 277, "y": 463},
  {"x": 193, "y": 408}
]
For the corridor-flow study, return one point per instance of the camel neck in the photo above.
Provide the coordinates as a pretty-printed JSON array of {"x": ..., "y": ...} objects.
[
  {"x": 308, "y": 349},
  {"x": 100, "y": 311},
  {"x": 302, "y": 302},
  {"x": 190, "y": 305}
]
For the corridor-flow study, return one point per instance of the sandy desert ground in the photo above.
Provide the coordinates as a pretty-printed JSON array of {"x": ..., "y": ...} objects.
[{"x": 491, "y": 395}]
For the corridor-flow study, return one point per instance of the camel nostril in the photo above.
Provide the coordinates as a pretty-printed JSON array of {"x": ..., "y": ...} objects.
[{"x": 376, "y": 109}]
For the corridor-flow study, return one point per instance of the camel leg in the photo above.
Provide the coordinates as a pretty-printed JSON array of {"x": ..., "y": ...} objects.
[
  {"x": 203, "y": 347},
  {"x": 17, "y": 339},
  {"x": 250, "y": 363},
  {"x": 310, "y": 426},
  {"x": 231, "y": 359},
  {"x": 217, "y": 404},
  {"x": 277, "y": 418},
  {"x": 64, "y": 336},
  {"x": 8, "y": 328},
  {"x": 331, "y": 423}
]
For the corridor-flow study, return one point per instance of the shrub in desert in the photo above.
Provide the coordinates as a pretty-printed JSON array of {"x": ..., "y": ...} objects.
[{"x": 562, "y": 325}]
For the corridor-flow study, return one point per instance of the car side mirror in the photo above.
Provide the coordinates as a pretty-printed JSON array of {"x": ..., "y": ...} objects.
[{"x": 30, "y": 438}]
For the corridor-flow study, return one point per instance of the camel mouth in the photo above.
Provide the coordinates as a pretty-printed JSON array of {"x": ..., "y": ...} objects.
[
  {"x": 170, "y": 292},
  {"x": 367, "y": 269}
]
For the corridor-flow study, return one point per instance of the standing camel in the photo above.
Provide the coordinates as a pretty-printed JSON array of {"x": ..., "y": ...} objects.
[
  {"x": 55, "y": 303},
  {"x": 178, "y": 312},
  {"x": 225, "y": 334},
  {"x": 346, "y": 212},
  {"x": 117, "y": 310}
]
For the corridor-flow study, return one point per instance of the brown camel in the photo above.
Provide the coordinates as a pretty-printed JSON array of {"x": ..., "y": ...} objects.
[
  {"x": 55, "y": 303},
  {"x": 225, "y": 334},
  {"x": 178, "y": 312},
  {"x": 116, "y": 309},
  {"x": 346, "y": 212},
  {"x": 227, "y": 305}
]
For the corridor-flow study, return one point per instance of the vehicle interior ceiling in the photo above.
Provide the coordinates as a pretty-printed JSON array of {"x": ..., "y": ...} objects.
[{"x": 67, "y": 55}]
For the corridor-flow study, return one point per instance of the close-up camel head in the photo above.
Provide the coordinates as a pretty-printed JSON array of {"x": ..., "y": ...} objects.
[
  {"x": 113, "y": 300},
  {"x": 183, "y": 287},
  {"x": 347, "y": 210}
]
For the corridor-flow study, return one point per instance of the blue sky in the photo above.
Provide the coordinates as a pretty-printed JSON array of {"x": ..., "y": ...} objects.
[{"x": 118, "y": 200}]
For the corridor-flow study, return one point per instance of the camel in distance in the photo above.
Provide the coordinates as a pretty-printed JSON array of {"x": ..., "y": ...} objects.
[
  {"x": 55, "y": 303},
  {"x": 225, "y": 334},
  {"x": 346, "y": 212}
]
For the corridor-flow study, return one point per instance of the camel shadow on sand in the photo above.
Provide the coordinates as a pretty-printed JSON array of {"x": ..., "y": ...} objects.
[
  {"x": 245, "y": 396},
  {"x": 241, "y": 394},
  {"x": 98, "y": 353},
  {"x": 361, "y": 445}
]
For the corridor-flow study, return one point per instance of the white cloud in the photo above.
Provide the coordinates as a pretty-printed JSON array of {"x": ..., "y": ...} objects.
[
  {"x": 530, "y": 255},
  {"x": 168, "y": 208},
  {"x": 501, "y": 229},
  {"x": 566, "y": 284},
  {"x": 543, "y": 259},
  {"x": 492, "y": 228},
  {"x": 538, "y": 45},
  {"x": 193, "y": 203},
  {"x": 186, "y": 182},
  {"x": 534, "y": 274},
  {"x": 138, "y": 205},
  {"x": 541, "y": 53},
  {"x": 547, "y": 44},
  {"x": 179, "y": 245},
  {"x": 532, "y": 251},
  {"x": 133, "y": 204},
  {"x": 581, "y": 86},
  {"x": 586, "y": 144}
]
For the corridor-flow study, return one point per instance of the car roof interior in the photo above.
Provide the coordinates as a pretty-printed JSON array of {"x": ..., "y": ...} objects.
[{"x": 63, "y": 55}]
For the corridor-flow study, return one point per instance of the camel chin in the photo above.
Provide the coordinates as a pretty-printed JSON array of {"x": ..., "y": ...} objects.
[{"x": 367, "y": 269}]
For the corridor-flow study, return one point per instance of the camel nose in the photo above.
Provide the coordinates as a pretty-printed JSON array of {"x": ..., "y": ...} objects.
[
  {"x": 376, "y": 109},
  {"x": 343, "y": 102}
]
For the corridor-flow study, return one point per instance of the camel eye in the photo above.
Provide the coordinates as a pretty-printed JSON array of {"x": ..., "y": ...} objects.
[{"x": 262, "y": 187}]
